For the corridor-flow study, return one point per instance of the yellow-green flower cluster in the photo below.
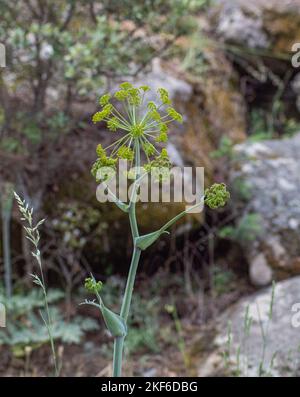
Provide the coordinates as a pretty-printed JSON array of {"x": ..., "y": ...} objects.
[
  {"x": 161, "y": 161},
  {"x": 102, "y": 161},
  {"x": 149, "y": 149},
  {"x": 92, "y": 285},
  {"x": 113, "y": 124},
  {"x": 174, "y": 115},
  {"x": 103, "y": 114},
  {"x": 164, "y": 96},
  {"x": 126, "y": 153},
  {"x": 130, "y": 93},
  {"x": 104, "y": 99},
  {"x": 137, "y": 130},
  {"x": 141, "y": 124},
  {"x": 160, "y": 166},
  {"x": 216, "y": 196}
]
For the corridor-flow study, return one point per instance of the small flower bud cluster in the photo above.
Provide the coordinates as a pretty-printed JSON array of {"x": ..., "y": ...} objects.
[
  {"x": 216, "y": 196},
  {"x": 102, "y": 161},
  {"x": 92, "y": 285}
]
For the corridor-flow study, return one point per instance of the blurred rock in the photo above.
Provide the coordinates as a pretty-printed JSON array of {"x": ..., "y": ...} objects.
[
  {"x": 270, "y": 25},
  {"x": 237, "y": 26},
  {"x": 281, "y": 356},
  {"x": 271, "y": 169}
]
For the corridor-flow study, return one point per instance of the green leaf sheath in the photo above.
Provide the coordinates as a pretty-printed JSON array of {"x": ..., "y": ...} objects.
[{"x": 114, "y": 323}]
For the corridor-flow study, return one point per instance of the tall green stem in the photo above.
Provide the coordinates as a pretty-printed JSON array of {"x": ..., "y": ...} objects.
[
  {"x": 118, "y": 354},
  {"x": 49, "y": 322},
  {"x": 119, "y": 342},
  {"x": 130, "y": 283}
]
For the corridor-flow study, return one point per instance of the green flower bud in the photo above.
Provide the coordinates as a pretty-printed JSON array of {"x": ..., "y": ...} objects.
[
  {"x": 121, "y": 95},
  {"x": 160, "y": 165},
  {"x": 216, "y": 196},
  {"x": 104, "y": 99},
  {"x": 125, "y": 153},
  {"x": 103, "y": 161},
  {"x": 126, "y": 85},
  {"x": 163, "y": 127},
  {"x": 107, "y": 109},
  {"x": 151, "y": 105},
  {"x": 100, "y": 151},
  {"x": 98, "y": 116},
  {"x": 164, "y": 154},
  {"x": 164, "y": 96},
  {"x": 144, "y": 88},
  {"x": 149, "y": 149},
  {"x": 174, "y": 115},
  {"x": 134, "y": 96},
  {"x": 155, "y": 115},
  {"x": 137, "y": 130},
  {"x": 92, "y": 285},
  {"x": 113, "y": 124},
  {"x": 162, "y": 137}
]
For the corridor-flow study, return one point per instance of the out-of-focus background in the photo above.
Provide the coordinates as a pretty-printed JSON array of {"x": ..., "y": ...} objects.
[{"x": 203, "y": 304}]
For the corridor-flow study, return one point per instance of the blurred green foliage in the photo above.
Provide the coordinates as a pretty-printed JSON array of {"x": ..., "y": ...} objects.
[
  {"x": 63, "y": 52},
  {"x": 222, "y": 280},
  {"x": 264, "y": 125},
  {"x": 25, "y": 327},
  {"x": 247, "y": 229}
]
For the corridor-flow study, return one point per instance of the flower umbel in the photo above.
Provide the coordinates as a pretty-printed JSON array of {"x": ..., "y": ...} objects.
[
  {"x": 140, "y": 124},
  {"x": 216, "y": 196},
  {"x": 92, "y": 285}
]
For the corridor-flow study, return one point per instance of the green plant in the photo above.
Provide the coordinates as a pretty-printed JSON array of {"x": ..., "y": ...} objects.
[
  {"x": 225, "y": 149},
  {"x": 143, "y": 330},
  {"x": 33, "y": 236},
  {"x": 248, "y": 228},
  {"x": 222, "y": 280},
  {"x": 260, "y": 127},
  {"x": 237, "y": 362},
  {"x": 25, "y": 327},
  {"x": 143, "y": 125},
  {"x": 172, "y": 310},
  {"x": 241, "y": 189}
]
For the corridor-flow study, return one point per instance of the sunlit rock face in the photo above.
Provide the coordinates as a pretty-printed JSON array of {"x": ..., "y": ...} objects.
[
  {"x": 271, "y": 169},
  {"x": 247, "y": 356},
  {"x": 270, "y": 25}
]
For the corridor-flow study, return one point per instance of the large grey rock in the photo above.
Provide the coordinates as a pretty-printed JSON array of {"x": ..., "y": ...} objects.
[
  {"x": 282, "y": 335},
  {"x": 258, "y": 24},
  {"x": 236, "y": 24},
  {"x": 271, "y": 169}
]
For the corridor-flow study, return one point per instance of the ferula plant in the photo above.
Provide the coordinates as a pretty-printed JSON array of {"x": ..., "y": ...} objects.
[{"x": 141, "y": 130}]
